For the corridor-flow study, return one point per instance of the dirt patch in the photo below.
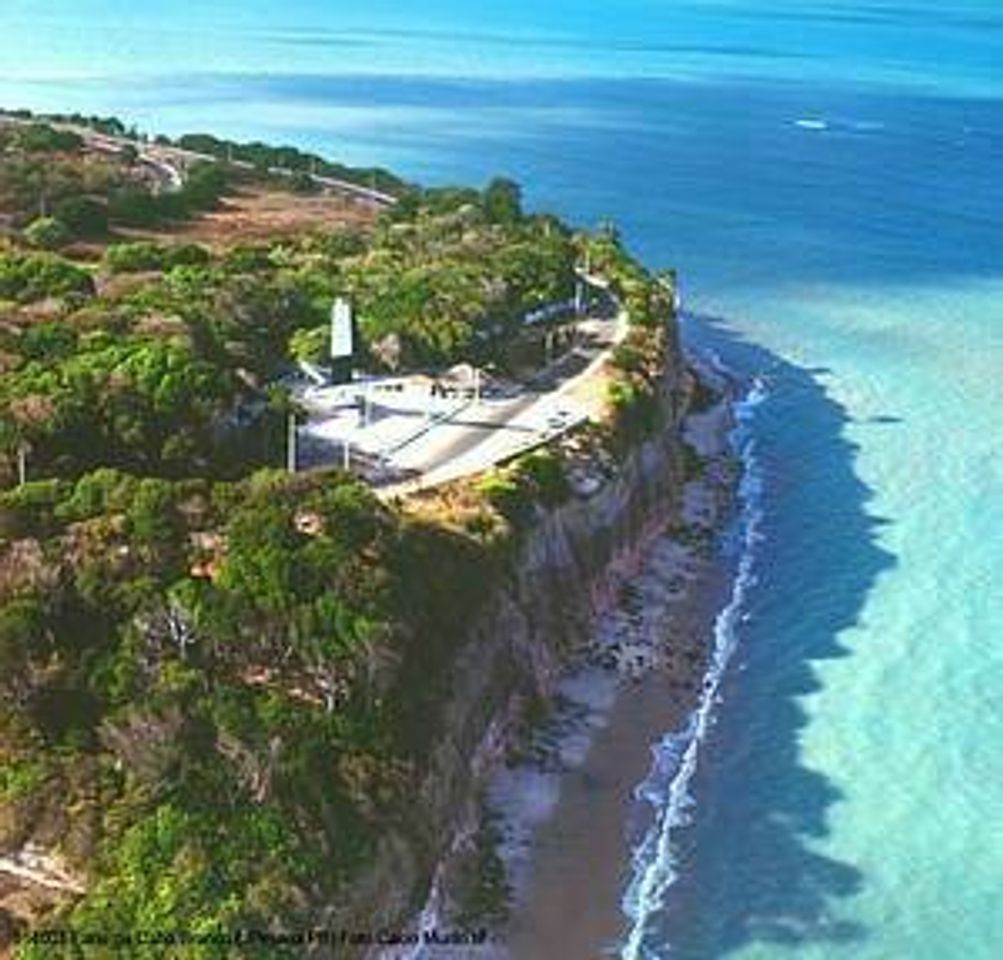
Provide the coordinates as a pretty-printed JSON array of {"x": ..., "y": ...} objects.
[
  {"x": 23, "y": 905},
  {"x": 257, "y": 213}
]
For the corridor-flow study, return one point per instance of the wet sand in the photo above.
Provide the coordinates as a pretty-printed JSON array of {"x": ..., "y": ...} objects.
[
  {"x": 570, "y": 906},
  {"x": 570, "y": 866}
]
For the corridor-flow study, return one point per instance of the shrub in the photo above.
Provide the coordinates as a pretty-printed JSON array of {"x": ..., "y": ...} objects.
[
  {"x": 205, "y": 185},
  {"x": 135, "y": 208},
  {"x": 104, "y": 490},
  {"x": 634, "y": 409},
  {"x": 502, "y": 201},
  {"x": 47, "y": 233},
  {"x": 133, "y": 257},
  {"x": 31, "y": 277},
  {"x": 247, "y": 258},
  {"x": 543, "y": 470},
  {"x": 47, "y": 341},
  {"x": 41, "y": 138},
  {"x": 148, "y": 255},
  {"x": 186, "y": 255},
  {"x": 28, "y": 510},
  {"x": 301, "y": 182},
  {"x": 83, "y": 216},
  {"x": 509, "y": 497},
  {"x": 312, "y": 345}
]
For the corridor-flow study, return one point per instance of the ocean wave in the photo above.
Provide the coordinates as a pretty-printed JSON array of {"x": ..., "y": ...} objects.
[
  {"x": 839, "y": 125},
  {"x": 675, "y": 757}
]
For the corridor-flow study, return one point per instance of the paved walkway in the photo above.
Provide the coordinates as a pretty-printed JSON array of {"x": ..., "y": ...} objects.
[{"x": 483, "y": 434}]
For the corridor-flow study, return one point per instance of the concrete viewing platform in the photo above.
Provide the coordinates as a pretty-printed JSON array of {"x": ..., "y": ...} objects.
[{"x": 404, "y": 433}]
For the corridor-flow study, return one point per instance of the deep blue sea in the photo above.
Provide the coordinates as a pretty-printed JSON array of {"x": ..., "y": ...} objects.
[{"x": 827, "y": 176}]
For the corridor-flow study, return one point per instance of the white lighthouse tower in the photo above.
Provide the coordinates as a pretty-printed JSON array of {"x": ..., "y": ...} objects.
[{"x": 342, "y": 341}]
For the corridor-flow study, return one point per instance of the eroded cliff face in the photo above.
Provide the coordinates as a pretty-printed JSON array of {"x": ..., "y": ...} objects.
[
  {"x": 537, "y": 613},
  {"x": 538, "y": 616}
]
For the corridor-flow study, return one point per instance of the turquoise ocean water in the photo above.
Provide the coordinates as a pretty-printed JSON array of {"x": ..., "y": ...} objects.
[{"x": 827, "y": 178}]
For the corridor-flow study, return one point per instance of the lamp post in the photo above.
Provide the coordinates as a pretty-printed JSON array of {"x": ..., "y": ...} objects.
[
  {"x": 291, "y": 444},
  {"x": 22, "y": 464}
]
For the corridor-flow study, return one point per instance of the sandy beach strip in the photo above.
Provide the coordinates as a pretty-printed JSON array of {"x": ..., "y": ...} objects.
[
  {"x": 569, "y": 816},
  {"x": 567, "y": 903}
]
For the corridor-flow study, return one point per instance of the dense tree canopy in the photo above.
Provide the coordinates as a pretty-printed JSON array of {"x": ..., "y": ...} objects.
[
  {"x": 227, "y": 667},
  {"x": 221, "y": 681}
]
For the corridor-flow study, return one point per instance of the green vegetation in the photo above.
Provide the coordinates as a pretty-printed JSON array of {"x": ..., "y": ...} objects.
[
  {"x": 47, "y": 233},
  {"x": 88, "y": 195},
  {"x": 68, "y": 185},
  {"x": 143, "y": 404},
  {"x": 650, "y": 347},
  {"x": 135, "y": 206},
  {"x": 227, "y": 681},
  {"x": 151, "y": 256},
  {"x": 110, "y": 126},
  {"x": 534, "y": 478},
  {"x": 25, "y": 278},
  {"x": 503, "y": 201},
  {"x": 42, "y": 138},
  {"x": 264, "y": 158},
  {"x": 220, "y": 681},
  {"x": 446, "y": 276},
  {"x": 84, "y": 217},
  {"x": 507, "y": 495}
]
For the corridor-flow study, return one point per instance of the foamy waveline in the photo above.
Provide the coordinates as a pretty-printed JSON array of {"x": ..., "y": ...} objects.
[{"x": 675, "y": 757}]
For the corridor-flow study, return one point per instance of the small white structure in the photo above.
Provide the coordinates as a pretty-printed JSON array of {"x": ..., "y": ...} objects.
[
  {"x": 342, "y": 333},
  {"x": 342, "y": 340}
]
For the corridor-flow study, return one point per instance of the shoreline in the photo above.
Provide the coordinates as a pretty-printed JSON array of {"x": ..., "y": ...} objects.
[
  {"x": 581, "y": 855},
  {"x": 570, "y": 817}
]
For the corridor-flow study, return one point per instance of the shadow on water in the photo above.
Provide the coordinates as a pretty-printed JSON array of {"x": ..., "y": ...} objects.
[{"x": 751, "y": 870}]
